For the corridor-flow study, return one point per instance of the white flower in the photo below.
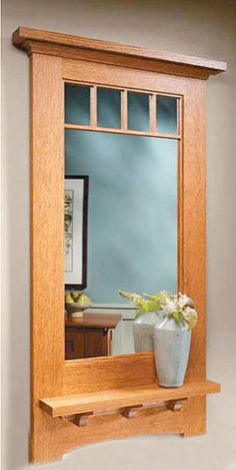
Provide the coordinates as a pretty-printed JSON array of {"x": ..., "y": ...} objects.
[
  {"x": 136, "y": 298},
  {"x": 190, "y": 316},
  {"x": 183, "y": 300},
  {"x": 169, "y": 307}
]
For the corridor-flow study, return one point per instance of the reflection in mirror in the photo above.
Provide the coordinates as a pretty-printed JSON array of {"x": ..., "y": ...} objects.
[
  {"x": 138, "y": 111},
  {"x": 77, "y": 104},
  {"x": 75, "y": 240},
  {"x": 109, "y": 107},
  {"x": 167, "y": 114},
  {"x": 132, "y": 232}
]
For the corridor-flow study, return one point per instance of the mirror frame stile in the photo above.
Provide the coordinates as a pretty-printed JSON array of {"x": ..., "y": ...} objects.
[{"x": 55, "y": 58}]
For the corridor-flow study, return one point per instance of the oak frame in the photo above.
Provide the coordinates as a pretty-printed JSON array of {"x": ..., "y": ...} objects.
[{"x": 55, "y": 58}]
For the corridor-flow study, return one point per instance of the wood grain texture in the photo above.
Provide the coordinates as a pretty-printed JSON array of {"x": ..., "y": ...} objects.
[
  {"x": 126, "y": 397},
  {"x": 194, "y": 219},
  {"x": 191, "y": 209},
  {"x": 23, "y": 37},
  {"x": 195, "y": 417},
  {"x": 90, "y": 335},
  {"x": 192, "y": 235},
  {"x": 115, "y": 426},
  {"x": 124, "y": 109},
  {"x": 47, "y": 248},
  {"x": 86, "y": 342},
  {"x": 109, "y": 130},
  {"x": 74, "y": 344},
  {"x": 85, "y": 71},
  {"x": 94, "y": 320},
  {"x": 153, "y": 113},
  {"x": 56, "y": 58},
  {"x": 180, "y": 204},
  {"x": 116, "y": 59},
  {"x": 93, "y": 106},
  {"x": 104, "y": 373}
]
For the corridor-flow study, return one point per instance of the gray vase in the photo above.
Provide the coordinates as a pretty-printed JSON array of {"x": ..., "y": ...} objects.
[
  {"x": 171, "y": 349},
  {"x": 143, "y": 332}
]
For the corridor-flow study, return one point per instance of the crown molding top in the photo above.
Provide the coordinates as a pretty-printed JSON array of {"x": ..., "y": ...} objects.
[{"x": 68, "y": 45}]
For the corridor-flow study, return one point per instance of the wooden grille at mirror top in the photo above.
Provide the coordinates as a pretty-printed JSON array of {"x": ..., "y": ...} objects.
[
  {"x": 104, "y": 393},
  {"x": 124, "y": 128}
]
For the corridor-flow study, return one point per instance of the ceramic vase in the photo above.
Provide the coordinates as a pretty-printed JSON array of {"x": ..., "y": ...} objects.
[
  {"x": 143, "y": 331},
  {"x": 171, "y": 350}
]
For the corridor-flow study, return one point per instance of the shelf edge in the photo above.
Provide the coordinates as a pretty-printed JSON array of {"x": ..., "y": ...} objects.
[{"x": 141, "y": 396}]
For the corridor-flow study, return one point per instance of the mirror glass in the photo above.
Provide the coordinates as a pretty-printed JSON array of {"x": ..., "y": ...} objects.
[
  {"x": 167, "y": 114},
  {"x": 120, "y": 224},
  {"x": 108, "y": 100},
  {"x": 138, "y": 111},
  {"x": 77, "y": 104}
]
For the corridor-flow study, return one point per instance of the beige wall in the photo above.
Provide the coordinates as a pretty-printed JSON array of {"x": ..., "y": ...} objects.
[{"x": 204, "y": 28}]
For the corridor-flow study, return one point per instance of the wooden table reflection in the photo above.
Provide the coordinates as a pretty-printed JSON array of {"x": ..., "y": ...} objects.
[{"x": 90, "y": 335}]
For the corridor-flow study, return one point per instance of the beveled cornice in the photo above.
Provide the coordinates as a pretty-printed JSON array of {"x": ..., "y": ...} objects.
[{"x": 77, "y": 47}]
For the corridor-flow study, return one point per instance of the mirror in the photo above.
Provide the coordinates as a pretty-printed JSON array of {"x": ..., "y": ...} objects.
[{"x": 121, "y": 215}]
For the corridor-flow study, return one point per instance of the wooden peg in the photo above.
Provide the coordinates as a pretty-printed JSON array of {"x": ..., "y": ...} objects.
[
  {"x": 82, "y": 420},
  {"x": 175, "y": 405},
  {"x": 79, "y": 419},
  {"x": 130, "y": 412}
]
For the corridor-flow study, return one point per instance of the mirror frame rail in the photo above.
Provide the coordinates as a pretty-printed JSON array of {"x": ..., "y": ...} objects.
[{"x": 54, "y": 59}]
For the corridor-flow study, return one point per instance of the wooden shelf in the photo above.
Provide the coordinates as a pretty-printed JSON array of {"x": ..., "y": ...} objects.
[{"x": 90, "y": 403}]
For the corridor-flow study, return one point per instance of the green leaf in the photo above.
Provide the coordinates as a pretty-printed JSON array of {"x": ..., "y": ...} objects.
[{"x": 177, "y": 317}]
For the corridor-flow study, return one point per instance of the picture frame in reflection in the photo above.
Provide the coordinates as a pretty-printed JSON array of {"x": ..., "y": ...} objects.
[{"x": 75, "y": 231}]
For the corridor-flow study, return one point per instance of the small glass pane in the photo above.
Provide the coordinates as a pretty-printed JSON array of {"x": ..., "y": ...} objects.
[
  {"x": 167, "y": 114},
  {"x": 138, "y": 111},
  {"x": 109, "y": 108},
  {"x": 77, "y": 104}
]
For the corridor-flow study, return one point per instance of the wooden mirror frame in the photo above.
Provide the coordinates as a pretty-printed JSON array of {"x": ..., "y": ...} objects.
[{"x": 86, "y": 401}]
